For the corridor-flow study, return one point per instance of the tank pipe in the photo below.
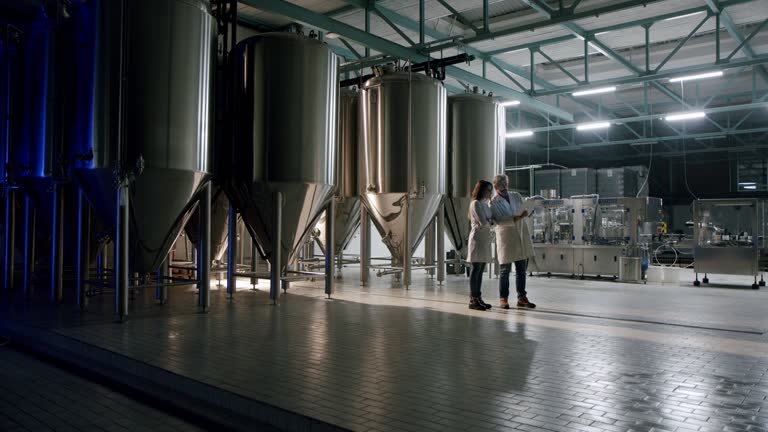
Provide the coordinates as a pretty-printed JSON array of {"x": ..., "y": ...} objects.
[
  {"x": 204, "y": 251},
  {"x": 406, "y": 246},
  {"x": 83, "y": 249},
  {"x": 275, "y": 271},
  {"x": 121, "y": 253},
  {"x": 429, "y": 247},
  {"x": 432, "y": 65},
  {"x": 231, "y": 251},
  {"x": 330, "y": 246}
]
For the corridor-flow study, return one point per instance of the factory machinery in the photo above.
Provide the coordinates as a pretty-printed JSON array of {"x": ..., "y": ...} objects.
[
  {"x": 593, "y": 236},
  {"x": 729, "y": 238}
]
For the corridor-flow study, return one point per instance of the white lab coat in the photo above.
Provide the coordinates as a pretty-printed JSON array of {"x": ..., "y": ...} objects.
[
  {"x": 481, "y": 236},
  {"x": 513, "y": 239}
]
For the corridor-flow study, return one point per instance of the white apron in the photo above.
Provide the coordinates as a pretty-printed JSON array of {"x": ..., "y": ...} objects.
[
  {"x": 481, "y": 235},
  {"x": 513, "y": 239}
]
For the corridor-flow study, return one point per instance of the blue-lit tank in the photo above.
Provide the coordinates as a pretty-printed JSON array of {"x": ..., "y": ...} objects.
[{"x": 161, "y": 122}]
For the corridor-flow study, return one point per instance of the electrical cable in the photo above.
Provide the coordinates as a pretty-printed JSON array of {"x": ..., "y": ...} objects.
[
  {"x": 650, "y": 161},
  {"x": 685, "y": 160}
]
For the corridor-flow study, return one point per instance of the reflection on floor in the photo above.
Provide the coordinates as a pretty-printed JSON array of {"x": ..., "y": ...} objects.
[{"x": 595, "y": 355}]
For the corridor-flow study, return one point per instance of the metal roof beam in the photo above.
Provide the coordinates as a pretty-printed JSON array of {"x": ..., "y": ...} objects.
[
  {"x": 750, "y": 106},
  {"x": 382, "y": 45},
  {"x": 757, "y": 60},
  {"x": 615, "y": 27}
]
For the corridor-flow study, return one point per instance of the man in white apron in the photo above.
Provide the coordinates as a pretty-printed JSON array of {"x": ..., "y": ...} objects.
[{"x": 513, "y": 241}]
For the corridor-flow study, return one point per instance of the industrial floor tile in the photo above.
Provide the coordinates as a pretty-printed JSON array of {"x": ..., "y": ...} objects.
[
  {"x": 595, "y": 355},
  {"x": 35, "y": 396}
]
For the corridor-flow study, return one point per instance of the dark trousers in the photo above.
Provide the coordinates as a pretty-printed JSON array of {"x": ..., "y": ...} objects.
[
  {"x": 520, "y": 270},
  {"x": 476, "y": 279}
]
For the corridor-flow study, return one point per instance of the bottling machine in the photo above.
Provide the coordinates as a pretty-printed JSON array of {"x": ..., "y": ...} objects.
[{"x": 589, "y": 235}]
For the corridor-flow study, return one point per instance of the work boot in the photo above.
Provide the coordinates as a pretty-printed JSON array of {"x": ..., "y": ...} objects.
[
  {"x": 523, "y": 303},
  {"x": 484, "y": 304},
  {"x": 504, "y": 303},
  {"x": 475, "y": 304}
]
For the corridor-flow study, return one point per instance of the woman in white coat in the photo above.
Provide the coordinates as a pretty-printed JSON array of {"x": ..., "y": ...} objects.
[
  {"x": 480, "y": 236},
  {"x": 513, "y": 241}
]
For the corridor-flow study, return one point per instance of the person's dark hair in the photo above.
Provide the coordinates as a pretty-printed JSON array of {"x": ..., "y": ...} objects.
[{"x": 480, "y": 187}]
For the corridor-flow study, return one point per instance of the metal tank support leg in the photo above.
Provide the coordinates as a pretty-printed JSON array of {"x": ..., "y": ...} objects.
[
  {"x": 231, "y": 252},
  {"x": 163, "y": 274},
  {"x": 441, "y": 244},
  {"x": 30, "y": 216},
  {"x": 429, "y": 248},
  {"x": 121, "y": 253},
  {"x": 204, "y": 251},
  {"x": 275, "y": 271},
  {"x": 83, "y": 249},
  {"x": 57, "y": 245},
  {"x": 9, "y": 246},
  {"x": 406, "y": 246},
  {"x": 330, "y": 247},
  {"x": 365, "y": 245},
  {"x": 254, "y": 264}
]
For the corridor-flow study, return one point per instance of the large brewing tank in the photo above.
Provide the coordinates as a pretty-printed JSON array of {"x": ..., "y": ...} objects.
[
  {"x": 476, "y": 144},
  {"x": 347, "y": 192},
  {"x": 285, "y": 137},
  {"x": 163, "y": 51},
  {"x": 403, "y": 173}
]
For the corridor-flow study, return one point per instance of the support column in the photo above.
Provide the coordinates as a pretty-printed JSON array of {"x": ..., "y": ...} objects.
[
  {"x": 441, "y": 243},
  {"x": 275, "y": 264},
  {"x": 9, "y": 239},
  {"x": 429, "y": 248},
  {"x": 204, "y": 251},
  {"x": 57, "y": 245},
  {"x": 330, "y": 246},
  {"x": 83, "y": 249},
  {"x": 365, "y": 245},
  {"x": 122, "y": 253},
  {"x": 30, "y": 216},
  {"x": 231, "y": 251},
  {"x": 163, "y": 277}
]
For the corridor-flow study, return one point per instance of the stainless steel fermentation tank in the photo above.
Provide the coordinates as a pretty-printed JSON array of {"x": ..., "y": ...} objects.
[
  {"x": 144, "y": 106},
  {"x": 403, "y": 120},
  {"x": 283, "y": 156},
  {"x": 347, "y": 194},
  {"x": 219, "y": 225},
  {"x": 476, "y": 144}
]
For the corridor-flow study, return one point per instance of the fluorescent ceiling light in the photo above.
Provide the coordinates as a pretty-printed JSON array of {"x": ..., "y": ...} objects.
[
  {"x": 684, "y": 16},
  {"x": 591, "y": 126},
  {"x": 595, "y": 91},
  {"x": 602, "y": 33},
  {"x": 685, "y": 116},
  {"x": 520, "y": 134},
  {"x": 510, "y": 103},
  {"x": 697, "y": 76},
  {"x": 749, "y": 187}
]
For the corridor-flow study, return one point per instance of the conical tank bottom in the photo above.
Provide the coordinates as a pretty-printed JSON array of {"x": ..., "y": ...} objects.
[
  {"x": 161, "y": 203},
  {"x": 457, "y": 224},
  {"x": 302, "y": 205},
  {"x": 388, "y": 214},
  {"x": 345, "y": 225},
  {"x": 219, "y": 224}
]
